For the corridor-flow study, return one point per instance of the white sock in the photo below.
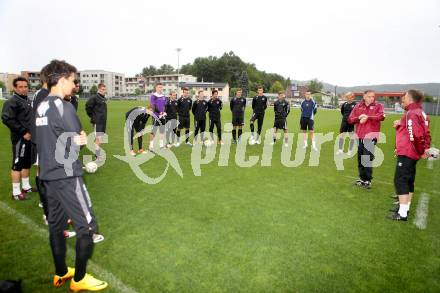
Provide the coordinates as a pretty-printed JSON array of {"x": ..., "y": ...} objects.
[
  {"x": 314, "y": 143},
  {"x": 403, "y": 210},
  {"x": 25, "y": 183},
  {"x": 305, "y": 142},
  {"x": 151, "y": 144},
  {"x": 16, "y": 189}
]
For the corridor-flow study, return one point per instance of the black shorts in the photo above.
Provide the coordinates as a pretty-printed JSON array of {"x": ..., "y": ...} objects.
[
  {"x": 68, "y": 199},
  {"x": 255, "y": 116},
  {"x": 405, "y": 175},
  {"x": 184, "y": 122},
  {"x": 306, "y": 123},
  {"x": 237, "y": 119},
  {"x": 280, "y": 124},
  {"x": 99, "y": 129},
  {"x": 21, "y": 154},
  {"x": 346, "y": 127},
  {"x": 159, "y": 123}
]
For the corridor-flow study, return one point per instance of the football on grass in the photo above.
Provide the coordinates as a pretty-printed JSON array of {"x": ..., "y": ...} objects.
[{"x": 91, "y": 167}]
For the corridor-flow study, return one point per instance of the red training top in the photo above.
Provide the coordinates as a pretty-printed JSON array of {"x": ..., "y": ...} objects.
[
  {"x": 412, "y": 133},
  {"x": 371, "y": 128}
]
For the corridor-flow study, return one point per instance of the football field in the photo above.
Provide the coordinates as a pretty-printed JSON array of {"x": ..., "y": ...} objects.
[{"x": 238, "y": 229}]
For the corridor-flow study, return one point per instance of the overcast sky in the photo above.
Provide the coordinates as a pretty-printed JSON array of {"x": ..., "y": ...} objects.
[{"x": 344, "y": 42}]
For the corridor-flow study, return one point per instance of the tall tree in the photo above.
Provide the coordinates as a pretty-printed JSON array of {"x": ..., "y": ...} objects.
[
  {"x": 244, "y": 83},
  {"x": 148, "y": 71},
  {"x": 315, "y": 86},
  {"x": 93, "y": 90},
  {"x": 276, "y": 87},
  {"x": 166, "y": 69}
]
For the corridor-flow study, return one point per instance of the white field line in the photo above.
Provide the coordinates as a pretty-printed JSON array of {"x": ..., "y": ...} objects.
[
  {"x": 389, "y": 183},
  {"x": 113, "y": 281},
  {"x": 422, "y": 212}
]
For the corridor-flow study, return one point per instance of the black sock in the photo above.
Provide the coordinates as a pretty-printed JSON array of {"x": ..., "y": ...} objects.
[
  {"x": 58, "y": 246},
  {"x": 234, "y": 134},
  {"x": 37, "y": 183},
  {"x": 240, "y": 131},
  {"x": 178, "y": 135},
  {"x": 84, "y": 249},
  {"x": 43, "y": 197},
  {"x": 187, "y": 135},
  {"x": 252, "y": 128}
]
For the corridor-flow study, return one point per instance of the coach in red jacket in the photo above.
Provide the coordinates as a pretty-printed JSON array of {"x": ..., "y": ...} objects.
[
  {"x": 367, "y": 116},
  {"x": 412, "y": 143}
]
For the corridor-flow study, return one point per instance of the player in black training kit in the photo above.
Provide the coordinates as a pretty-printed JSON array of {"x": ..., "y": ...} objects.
[
  {"x": 237, "y": 105},
  {"x": 184, "y": 104},
  {"x": 96, "y": 109},
  {"x": 215, "y": 106},
  {"x": 199, "y": 108},
  {"x": 259, "y": 105},
  {"x": 346, "y": 127},
  {"x": 282, "y": 109},
  {"x": 171, "y": 119},
  {"x": 17, "y": 115},
  {"x": 59, "y": 137},
  {"x": 39, "y": 96},
  {"x": 135, "y": 120}
]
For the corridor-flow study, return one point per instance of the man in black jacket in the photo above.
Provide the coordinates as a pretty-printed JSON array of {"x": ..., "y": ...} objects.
[
  {"x": 346, "y": 127},
  {"x": 39, "y": 96},
  {"x": 237, "y": 105},
  {"x": 171, "y": 119},
  {"x": 259, "y": 105},
  {"x": 135, "y": 120},
  {"x": 96, "y": 109},
  {"x": 215, "y": 106},
  {"x": 184, "y": 104},
  {"x": 17, "y": 116},
  {"x": 282, "y": 109},
  {"x": 199, "y": 109},
  {"x": 59, "y": 137}
]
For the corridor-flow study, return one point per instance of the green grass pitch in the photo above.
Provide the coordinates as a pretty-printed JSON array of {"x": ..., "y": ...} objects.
[{"x": 234, "y": 229}]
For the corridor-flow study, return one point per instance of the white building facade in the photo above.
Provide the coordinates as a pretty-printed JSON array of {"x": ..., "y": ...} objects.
[
  {"x": 169, "y": 81},
  {"x": 115, "y": 82}
]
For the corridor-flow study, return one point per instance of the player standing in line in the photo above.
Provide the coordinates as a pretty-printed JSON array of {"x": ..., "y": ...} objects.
[
  {"x": 184, "y": 104},
  {"x": 259, "y": 105},
  {"x": 96, "y": 109},
  {"x": 157, "y": 105},
  {"x": 307, "y": 122},
  {"x": 282, "y": 109},
  {"x": 237, "y": 105},
  {"x": 367, "y": 116},
  {"x": 135, "y": 120},
  {"x": 199, "y": 108},
  {"x": 39, "y": 96},
  {"x": 346, "y": 127},
  {"x": 215, "y": 106},
  {"x": 412, "y": 144},
  {"x": 59, "y": 134},
  {"x": 17, "y": 115},
  {"x": 171, "y": 119}
]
